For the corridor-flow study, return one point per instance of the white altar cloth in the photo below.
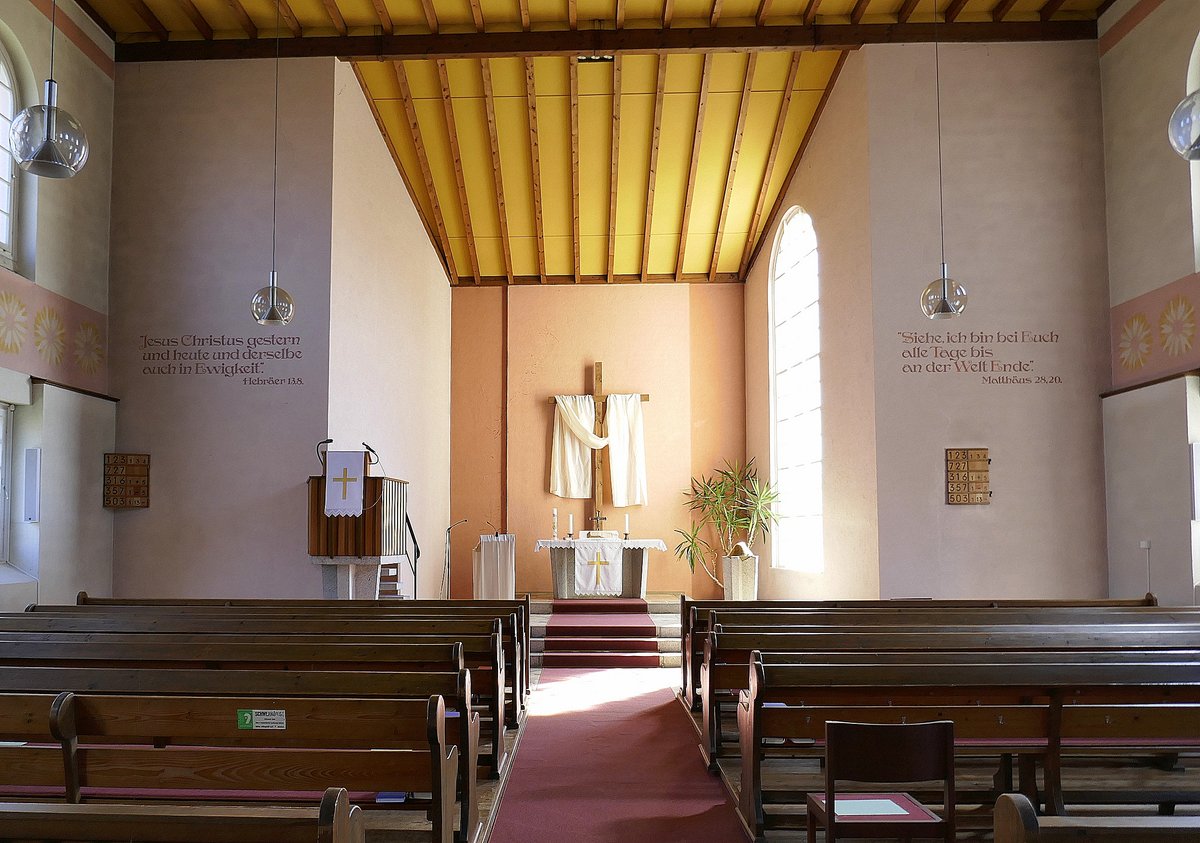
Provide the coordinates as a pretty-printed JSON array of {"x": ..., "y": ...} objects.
[
  {"x": 569, "y": 544},
  {"x": 633, "y": 565}
]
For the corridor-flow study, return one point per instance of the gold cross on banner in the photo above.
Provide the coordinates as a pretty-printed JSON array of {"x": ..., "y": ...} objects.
[
  {"x": 345, "y": 480},
  {"x": 597, "y": 562}
]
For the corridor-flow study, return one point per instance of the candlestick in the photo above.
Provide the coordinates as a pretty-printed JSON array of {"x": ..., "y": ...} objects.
[
  {"x": 554, "y": 521},
  {"x": 570, "y": 523}
]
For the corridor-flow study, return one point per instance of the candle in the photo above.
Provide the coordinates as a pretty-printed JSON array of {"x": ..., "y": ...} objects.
[
  {"x": 570, "y": 523},
  {"x": 627, "y": 523},
  {"x": 554, "y": 521}
]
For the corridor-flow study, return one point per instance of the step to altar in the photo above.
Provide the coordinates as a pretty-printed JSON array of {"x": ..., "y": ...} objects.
[{"x": 601, "y": 632}]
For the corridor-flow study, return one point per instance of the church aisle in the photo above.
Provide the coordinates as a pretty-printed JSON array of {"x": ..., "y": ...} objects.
[{"x": 610, "y": 756}]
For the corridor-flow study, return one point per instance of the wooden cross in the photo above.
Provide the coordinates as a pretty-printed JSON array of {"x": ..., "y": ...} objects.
[
  {"x": 600, "y": 456},
  {"x": 597, "y": 562}
]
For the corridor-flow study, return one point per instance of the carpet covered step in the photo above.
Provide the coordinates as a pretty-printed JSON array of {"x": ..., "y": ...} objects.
[
  {"x": 552, "y": 659},
  {"x": 556, "y": 644},
  {"x": 591, "y": 606}
]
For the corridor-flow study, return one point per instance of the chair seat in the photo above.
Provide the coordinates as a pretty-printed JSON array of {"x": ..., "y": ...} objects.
[{"x": 874, "y": 808}]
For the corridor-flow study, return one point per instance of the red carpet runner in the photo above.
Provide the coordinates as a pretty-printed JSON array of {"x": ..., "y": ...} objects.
[
  {"x": 601, "y": 633},
  {"x": 609, "y": 756}
]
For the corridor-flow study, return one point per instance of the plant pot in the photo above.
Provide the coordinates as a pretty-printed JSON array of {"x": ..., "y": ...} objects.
[{"x": 739, "y": 575}]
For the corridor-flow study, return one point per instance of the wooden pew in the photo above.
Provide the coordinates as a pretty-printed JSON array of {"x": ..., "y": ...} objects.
[
  {"x": 693, "y": 619},
  {"x": 724, "y": 669},
  {"x": 198, "y": 748},
  {"x": 482, "y": 649},
  {"x": 30, "y": 761},
  {"x": 335, "y": 820},
  {"x": 454, "y": 688},
  {"x": 450, "y": 608},
  {"x": 999, "y": 705},
  {"x": 514, "y": 631},
  {"x": 1016, "y": 821}
]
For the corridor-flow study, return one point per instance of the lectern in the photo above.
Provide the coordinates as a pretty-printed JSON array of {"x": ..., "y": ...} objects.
[{"x": 351, "y": 549}]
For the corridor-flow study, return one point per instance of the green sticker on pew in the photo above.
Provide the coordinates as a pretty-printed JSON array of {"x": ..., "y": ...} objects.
[{"x": 261, "y": 718}]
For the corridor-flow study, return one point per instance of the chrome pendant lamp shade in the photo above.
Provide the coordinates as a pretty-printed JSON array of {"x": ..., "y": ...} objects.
[
  {"x": 45, "y": 140},
  {"x": 944, "y": 298},
  {"x": 1184, "y": 129}
]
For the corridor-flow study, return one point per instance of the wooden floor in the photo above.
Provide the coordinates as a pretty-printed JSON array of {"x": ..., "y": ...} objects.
[{"x": 975, "y": 821}]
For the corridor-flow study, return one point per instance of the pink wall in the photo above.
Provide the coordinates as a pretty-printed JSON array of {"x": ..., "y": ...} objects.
[{"x": 681, "y": 344}]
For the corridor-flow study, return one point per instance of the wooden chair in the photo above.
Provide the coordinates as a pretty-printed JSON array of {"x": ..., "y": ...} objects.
[{"x": 871, "y": 752}]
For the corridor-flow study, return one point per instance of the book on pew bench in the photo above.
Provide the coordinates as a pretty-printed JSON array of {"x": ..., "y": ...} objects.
[{"x": 894, "y": 806}]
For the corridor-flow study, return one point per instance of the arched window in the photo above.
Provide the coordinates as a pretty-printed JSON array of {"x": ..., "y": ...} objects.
[
  {"x": 796, "y": 443},
  {"x": 9, "y": 107}
]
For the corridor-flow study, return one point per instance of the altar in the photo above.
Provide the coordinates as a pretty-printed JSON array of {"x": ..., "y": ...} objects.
[{"x": 633, "y": 565}]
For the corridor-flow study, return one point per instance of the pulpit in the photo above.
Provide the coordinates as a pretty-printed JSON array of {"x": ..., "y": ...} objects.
[
  {"x": 351, "y": 549},
  {"x": 634, "y": 565}
]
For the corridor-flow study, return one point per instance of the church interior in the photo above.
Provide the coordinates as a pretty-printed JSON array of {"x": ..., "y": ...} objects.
[{"x": 721, "y": 360}]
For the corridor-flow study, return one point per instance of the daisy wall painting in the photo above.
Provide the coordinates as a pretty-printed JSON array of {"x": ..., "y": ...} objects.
[{"x": 1154, "y": 335}]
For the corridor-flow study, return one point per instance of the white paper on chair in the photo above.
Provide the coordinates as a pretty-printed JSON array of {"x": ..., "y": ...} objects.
[
  {"x": 867, "y": 808},
  {"x": 598, "y": 567}
]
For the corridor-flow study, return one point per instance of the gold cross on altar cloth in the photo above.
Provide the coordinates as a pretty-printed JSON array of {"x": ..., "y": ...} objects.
[
  {"x": 345, "y": 480},
  {"x": 597, "y": 562}
]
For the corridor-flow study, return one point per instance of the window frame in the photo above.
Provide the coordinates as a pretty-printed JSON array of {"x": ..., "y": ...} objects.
[
  {"x": 800, "y": 563},
  {"x": 8, "y": 250}
]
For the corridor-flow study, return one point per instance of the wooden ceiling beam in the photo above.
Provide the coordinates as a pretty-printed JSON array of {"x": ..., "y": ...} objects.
[
  {"x": 523, "y": 5},
  {"x": 1002, "y": 9},
  {"x": 335, "y": 15},
  {"x": 808, "y": 134},
  {"x": 611, "y": 42},
  {"x": 789, "y": 88},
  {"x": 150, "y": 19},
  {"x": 668, "y": 14},
  {"x": 456, "y": 157},
  {"x": 860, "y": 9},
  {"x": 385, "y": 17},
  {"x": 954, "y": 10},
  {"x": 906, "y": 11},
  {"x": 810, "y": 13},
  {"x": 573, "y": 14},
  {"x": 289, "y": 18},
  {"x": 1048, "y": 11},
  {"x": 387, "y": 139},
  {"x": 410, "y": 112},
  {"x": 574, "y": 71},
  {"x": 97, "y": 18},
  {"x": 739, "y": 130},
  {"x": 764, "y": 9},
  {"x": 716, "y": 12},
  {"x": 531, "y": 101},
  {"x": 431, "y": 19},
  {"x": 193, "y": 14},
  {"x": 620, "y": 14},
  {"x": 477, "y": 15},
  {"x": 616, "y": 157},
  {"x": 239, "y": 12},
  {"x": 534, "y": 280},
  {"x": 489, "y": 102},
  {"x": 656, "y": 134},
  {"x": 686, "y": 222}
]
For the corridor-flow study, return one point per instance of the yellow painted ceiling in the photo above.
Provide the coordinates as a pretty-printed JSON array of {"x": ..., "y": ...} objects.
[{"x": 548, "y": 169}]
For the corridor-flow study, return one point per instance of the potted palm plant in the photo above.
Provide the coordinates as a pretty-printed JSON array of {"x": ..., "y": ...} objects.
[{"x": 736, "y": 507}]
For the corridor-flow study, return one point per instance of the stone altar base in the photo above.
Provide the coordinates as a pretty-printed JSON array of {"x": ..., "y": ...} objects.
[
  {"x": 633, "y": 574},
  {"x": 354, "y": 578}
]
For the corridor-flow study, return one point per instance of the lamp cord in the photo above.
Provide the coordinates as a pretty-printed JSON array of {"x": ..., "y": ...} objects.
[
  {"x": 275, "y": 155},
  {"x": 53, "y": 26},
  {"x": 937, "y": 87}
]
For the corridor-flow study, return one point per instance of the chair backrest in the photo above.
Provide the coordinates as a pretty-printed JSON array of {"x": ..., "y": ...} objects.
[{"x": 887, "y": 752}]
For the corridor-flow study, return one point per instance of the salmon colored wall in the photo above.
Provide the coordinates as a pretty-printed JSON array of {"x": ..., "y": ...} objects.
[
  {"x": 681, "y": 344},
  {"x": 476, "y": 421}
]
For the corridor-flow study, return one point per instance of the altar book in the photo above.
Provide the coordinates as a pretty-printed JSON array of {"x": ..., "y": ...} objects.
[{"x": 598, "y": 569}]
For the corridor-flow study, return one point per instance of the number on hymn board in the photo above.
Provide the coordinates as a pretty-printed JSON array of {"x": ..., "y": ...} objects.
[{"x": 968, "y": 476}]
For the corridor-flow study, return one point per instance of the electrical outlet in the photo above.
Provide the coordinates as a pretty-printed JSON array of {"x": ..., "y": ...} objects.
[{"x": 1144, "y": 544}]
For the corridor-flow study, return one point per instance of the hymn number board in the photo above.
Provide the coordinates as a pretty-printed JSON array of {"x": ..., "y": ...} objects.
[
  {"x": 126, "y": 481},
  {"x": 967, "y": 476}
]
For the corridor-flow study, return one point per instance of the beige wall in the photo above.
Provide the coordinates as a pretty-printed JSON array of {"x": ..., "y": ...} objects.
[
  {"x": 682, "y": 345},
  {"x": 1149, "y": 486},
  {"x": 1149, "y": 201},
  {"x": 832, "y": 186},
  {"x": 1024, "y": 231},
  {"x": 389, "y": 350},
  {"x": 191, "y": 242}
]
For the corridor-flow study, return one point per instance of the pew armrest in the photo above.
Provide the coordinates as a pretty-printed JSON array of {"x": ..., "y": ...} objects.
[{"x": 1014, "y": 820}]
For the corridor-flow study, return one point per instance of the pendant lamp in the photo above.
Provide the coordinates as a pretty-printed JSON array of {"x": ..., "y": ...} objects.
[
  {"x": 944, "y": 298},
  {"x": 1183, "y": 130},
  {"x": 45, "y": 140},
  {"x": 273, "y": 305}
]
